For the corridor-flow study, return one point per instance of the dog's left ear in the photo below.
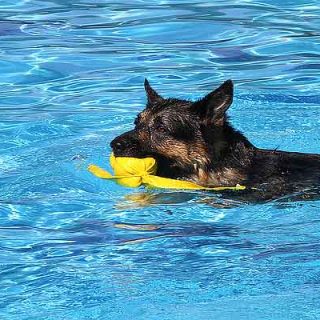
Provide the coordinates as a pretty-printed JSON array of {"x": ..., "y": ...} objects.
[
  {"x": 152, "y": 95},
  {"x": 212, "y": 108}
]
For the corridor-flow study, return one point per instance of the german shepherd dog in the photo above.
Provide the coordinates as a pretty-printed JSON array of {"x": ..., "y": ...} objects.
[{"x": 194, "y": 141}]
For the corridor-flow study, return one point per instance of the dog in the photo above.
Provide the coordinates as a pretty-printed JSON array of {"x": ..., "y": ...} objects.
[{"x": 195, "y": 141}]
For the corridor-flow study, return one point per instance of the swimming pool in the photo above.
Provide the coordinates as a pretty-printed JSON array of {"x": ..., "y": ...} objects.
[{"x": 76, "y": 247}]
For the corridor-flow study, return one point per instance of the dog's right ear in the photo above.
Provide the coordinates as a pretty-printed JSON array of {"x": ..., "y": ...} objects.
[
  {"x": 152, "y": 95},
  {"x": 212, "y": 108}
]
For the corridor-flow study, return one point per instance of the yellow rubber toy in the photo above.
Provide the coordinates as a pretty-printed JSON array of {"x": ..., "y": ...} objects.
[{"x": 134, "y": 172}]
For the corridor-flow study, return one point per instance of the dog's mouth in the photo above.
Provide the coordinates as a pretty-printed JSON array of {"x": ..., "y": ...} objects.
[
  {"x": 132, "y": 153},
  {"x": 127, "y": 148},
  {"x": 140, "y": 154},
  {"x": 165, "y": 167},
  {"x": 132, "y": 148}
]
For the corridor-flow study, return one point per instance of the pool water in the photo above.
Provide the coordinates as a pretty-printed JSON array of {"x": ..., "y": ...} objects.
[{"x": 76, "y": 247}]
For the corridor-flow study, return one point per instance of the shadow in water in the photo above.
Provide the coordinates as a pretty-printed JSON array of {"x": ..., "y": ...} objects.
[{"x": 148, "y": 198}]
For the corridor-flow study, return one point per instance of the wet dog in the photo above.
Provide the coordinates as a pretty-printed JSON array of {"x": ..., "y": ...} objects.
[{"x": 195, "y": 141}]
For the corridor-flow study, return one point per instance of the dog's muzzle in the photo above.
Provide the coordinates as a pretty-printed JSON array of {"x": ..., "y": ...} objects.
[{"x": 126, "y": 145}]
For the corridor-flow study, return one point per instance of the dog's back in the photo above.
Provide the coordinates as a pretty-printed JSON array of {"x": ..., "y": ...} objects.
[{"x": 276, "y": 173}]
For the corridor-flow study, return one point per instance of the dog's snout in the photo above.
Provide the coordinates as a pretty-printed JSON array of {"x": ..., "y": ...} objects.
[
  {"x": 127, "y": 145},
  {"x": 118, "y": 145}
]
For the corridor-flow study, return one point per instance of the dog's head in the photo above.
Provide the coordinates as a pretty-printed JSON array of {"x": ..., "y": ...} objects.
[{"x": 179, "y": 133}]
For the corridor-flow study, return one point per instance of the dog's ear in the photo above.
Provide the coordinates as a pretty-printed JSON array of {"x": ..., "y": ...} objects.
[
  {"x": 152, "y": 95},
  {"x": 212, "y": 108}
]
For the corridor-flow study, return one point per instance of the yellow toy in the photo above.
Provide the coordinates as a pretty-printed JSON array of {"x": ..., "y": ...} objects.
[{"x": 134, "y": 172}]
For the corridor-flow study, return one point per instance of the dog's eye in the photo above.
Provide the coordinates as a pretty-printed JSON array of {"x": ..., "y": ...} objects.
[{"x": 161, "y": 129}]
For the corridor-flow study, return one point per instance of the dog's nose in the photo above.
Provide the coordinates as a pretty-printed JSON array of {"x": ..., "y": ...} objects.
[{"x": 117, "y": 145}]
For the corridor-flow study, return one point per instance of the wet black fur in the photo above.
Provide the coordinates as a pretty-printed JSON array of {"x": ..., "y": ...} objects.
[{"x": 268, "y": 174}]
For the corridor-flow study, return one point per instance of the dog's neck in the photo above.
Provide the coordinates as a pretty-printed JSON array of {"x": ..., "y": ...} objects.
[
  {"x": 230, "y": 155},
  {"x": 227, "y": 170}
]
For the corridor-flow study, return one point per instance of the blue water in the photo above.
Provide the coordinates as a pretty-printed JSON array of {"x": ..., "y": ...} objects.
[{"x": 76, "y": 247}]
